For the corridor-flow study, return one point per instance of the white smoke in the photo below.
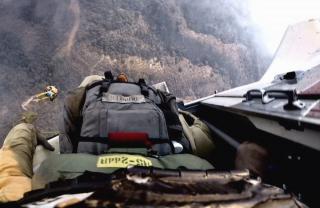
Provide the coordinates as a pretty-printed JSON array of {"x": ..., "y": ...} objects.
[{"x": 272, "y": 17}]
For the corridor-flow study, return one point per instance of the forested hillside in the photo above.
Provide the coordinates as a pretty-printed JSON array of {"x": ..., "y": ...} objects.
[{"x": 197, "y": 47}]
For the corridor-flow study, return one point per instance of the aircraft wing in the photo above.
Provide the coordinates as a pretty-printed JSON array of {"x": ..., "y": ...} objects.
[
  {"x": 299, "y": 50},
  {"x": 295, "y": 72}
]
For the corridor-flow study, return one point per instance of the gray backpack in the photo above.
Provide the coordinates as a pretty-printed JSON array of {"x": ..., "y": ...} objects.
[{"x": 123, "y": 114}]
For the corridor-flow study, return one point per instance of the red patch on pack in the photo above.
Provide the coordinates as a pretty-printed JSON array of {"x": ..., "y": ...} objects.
[{"x": 130, "y": 137}]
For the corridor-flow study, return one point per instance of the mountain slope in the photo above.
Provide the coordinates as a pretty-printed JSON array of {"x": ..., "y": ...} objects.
[{"x": 196, "y": 48}]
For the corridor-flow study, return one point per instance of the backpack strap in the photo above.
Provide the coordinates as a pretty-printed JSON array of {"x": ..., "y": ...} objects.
[
  {"x": 109, "y": 79},
  {"x": 105, "y": 87},
  {"x": 106, "y": 84},
  {"x": 108, "y": 75},
  {"x": 144, "y": 88}
]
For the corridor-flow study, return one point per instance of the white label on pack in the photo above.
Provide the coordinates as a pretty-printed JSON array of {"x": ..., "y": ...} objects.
[
  {"x": 107, "y": 97},
  {"x": 122, "y": 161}
]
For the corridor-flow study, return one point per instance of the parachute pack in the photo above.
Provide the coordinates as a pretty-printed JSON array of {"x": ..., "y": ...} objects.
[{"x": 129, "y": 114}]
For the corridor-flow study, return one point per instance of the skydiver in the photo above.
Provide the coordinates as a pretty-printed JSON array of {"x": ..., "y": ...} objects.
[{"x": 16, "y": 155}]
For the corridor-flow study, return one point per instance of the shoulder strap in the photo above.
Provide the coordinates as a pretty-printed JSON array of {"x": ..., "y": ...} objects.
[
  {"x": 144, "y": 87},
  {"x": 108, "y": 75}
]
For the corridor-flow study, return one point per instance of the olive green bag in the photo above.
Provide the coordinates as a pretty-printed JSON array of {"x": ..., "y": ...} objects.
[
  {"x": 68, "y": 166},
  {"x": 198, "y": 134}
]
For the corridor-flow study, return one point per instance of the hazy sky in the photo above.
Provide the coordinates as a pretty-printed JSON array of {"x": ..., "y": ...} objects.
[{"x": 273, "y": 17}]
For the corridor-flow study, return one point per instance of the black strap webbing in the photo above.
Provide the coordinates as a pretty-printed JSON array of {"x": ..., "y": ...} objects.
[{"x": 108, "y": 75}]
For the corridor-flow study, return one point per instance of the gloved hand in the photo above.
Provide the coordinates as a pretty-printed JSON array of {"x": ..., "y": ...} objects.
[{"x": 44, "y": 142}]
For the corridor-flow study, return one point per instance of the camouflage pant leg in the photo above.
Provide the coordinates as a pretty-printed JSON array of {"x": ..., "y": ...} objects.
[{"x": 16, "y": 162}]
